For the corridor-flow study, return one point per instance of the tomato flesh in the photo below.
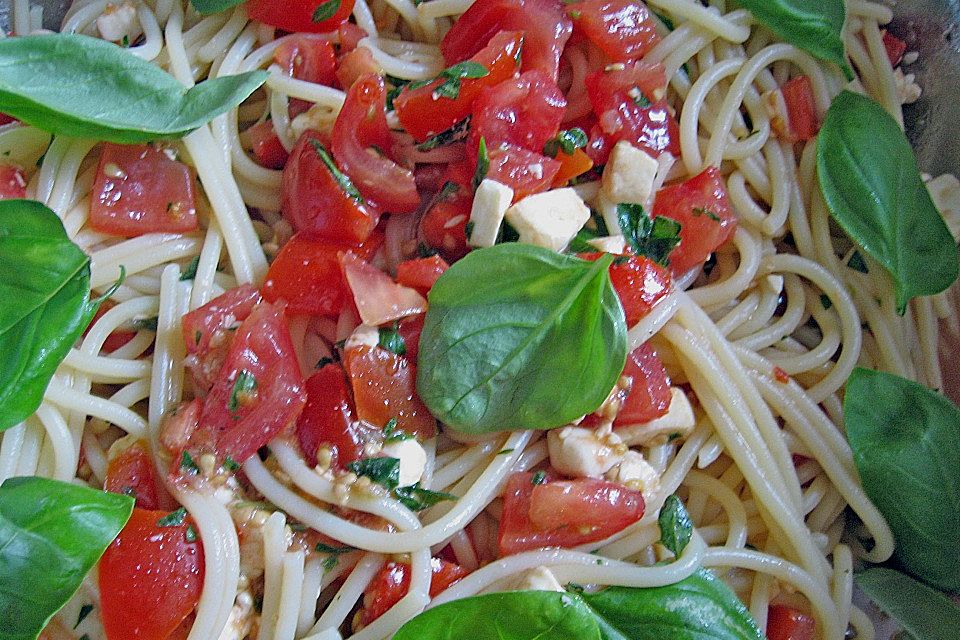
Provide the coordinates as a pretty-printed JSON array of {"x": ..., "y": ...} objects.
[
  {"x": 328, "y": 419},
  {"x": 703, "y": 210},
  {"x": 640, "y": 283},
  {"x": 378, "y": 298},
  {"x": 622, "y": 29},
  {"x": 150, "y": 578},
  {"x": 138, "y": 190},
  {"x": 309, "y": 58},
  {"x": 571, "y": 165},
  {"x": 423, "y": 115},
  {"x": 134, "y": 474},
  {"x": 563, "y": 513},
  {"x": 649, "y": 396},
  {"x": 444, "y": 227},
  {"x": 362, "y": 145},
  {"x": 298, "y": 16},
  {"x": 801, "y": 109},
  {"x": 393, "y": 581},
  {"x": 787, "y": 623},
  {"x": 315, "y": 202},
  {"x": 524, "y": 111},
  {"x": 524, "y": 171},
  {"x": 266, "y": 146},
  {"x": 13, "y": 183},
  {"x": 421, "y": 273},
  {"x": 895, "y": 48}
]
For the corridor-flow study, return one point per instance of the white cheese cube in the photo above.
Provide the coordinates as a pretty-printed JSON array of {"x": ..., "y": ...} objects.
[
  {"x": 584, "y": 453},
  {"x": 637, "y": 474},
  {"x": 119, "y": 21},
  {"x": 945, "y": 193},
  {"x": 679, "y": 420},
  {"x": 629, "y": 175},
  {"x": 537, "y": 579},
  {"x": 490, "y": 203},
  {"x": 609, "y": 244},
  {"x": 549, "y": 219},
  {"x": 363, "y": 336},
  {"x": 412, "y": 457}
]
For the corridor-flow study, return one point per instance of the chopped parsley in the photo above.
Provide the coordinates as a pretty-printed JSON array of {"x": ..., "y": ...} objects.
[
  {"x": 334, "y": 554},
  {"x": 701, "y": 211},
  {"x": 146, "y": 324},
  {"x": 383, "y": 471},
  {"x": 230, "y": 464},
  {"x": 452, "y": 77},
  {"x": 191, "y": 534},
  {"x": 456, "y": 133},
  {"x": 825, "y": 301},
  {"x": 322, "y": 362}
]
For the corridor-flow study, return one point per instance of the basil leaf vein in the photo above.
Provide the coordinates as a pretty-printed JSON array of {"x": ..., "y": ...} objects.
[
  {"x": 871, "y": 183},
  {"x": 925, "y": 613},
  {"x": 79, "y": 86},
  {"x": 520, "y": 337}
]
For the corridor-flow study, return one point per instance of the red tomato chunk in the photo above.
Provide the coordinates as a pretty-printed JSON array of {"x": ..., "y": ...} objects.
[{"x": 393, "y": 581}]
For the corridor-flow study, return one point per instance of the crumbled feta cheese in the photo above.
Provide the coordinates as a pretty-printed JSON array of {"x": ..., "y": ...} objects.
[
  {"x": 241, "y": 618},
  {"x": 536, "y": 579},
  {"x": 910, "y": 57},
  {"x": 584, "y": 453},
  {"x": 679, "y": 421},
  {"x": 908, "y": 91},
  {"x": 609, "y": 244},
  {"x": 319, "y": 117},
  {"x": 363, "y": 336},
  {"x": 945, "y": 193},
  {"x": 549, "y": 219},
  {"x": 412, "y": 457},
  {"x": 119, "y": 21},
  {"x": 490, "y": 203},
  {"x": 637, "y": 474},
  {"x": 629, "y": 175}
]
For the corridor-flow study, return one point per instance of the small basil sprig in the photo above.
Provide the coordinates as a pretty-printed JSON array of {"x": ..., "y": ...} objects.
[
  {"x": 51, "y": 534},
  {"x": 386, "y": 473},
  {"x": 815, "y": 27},
  {"x": 906, "y": 445},
  {"x": 44, "y": 306},
  {"x": 676, "y": 528},
  {"x": 870, "y": 180},
  {"x": 654, "y": 238},
  {"x": 520, "y": 337},
  {"x": 79, "y": 86},
  {"x": 207, "y": 7},
  {"x": 924, "y": 613}
]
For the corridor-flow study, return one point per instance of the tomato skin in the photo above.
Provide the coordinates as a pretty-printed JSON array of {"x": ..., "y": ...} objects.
[
  {"x": 524, "y": 111},
  {"x": 384, "y": 387},
  {"x": 310, "y": 58},
  {"x": 421, "y": 273},
  {"x": 410, "y": 330},
  {"x": 393, "y": 581},
  {"x": 526, "y": 172},
  {"x": 604, "y": 86},
  {"x": 563, "y": 513},
  {"x": 350, "y": 36},
  {"x": 686, "y": 203},
  {"x": 13, "y": 184},
  {"x": 150, "y": 578},
  {"x": 362, "y": 125},
  {"x": 354, "y": 65},
  {"x": 444, "y": 227},
  {"x": 801, "y": 109},
  {"x": 640, "y": 283},
  {"x": 265, "y": 144},
  {"x": 787, "y": 623},
  {"x": 133, "y": 473},
  {"x": 314, "y": 202},
  {"x": 261, "y": 347},
  {"x": 307, "y": 274},
  {"x": 545, "y": 25},
  {"x": 297, "y": 16},
  {"x": 649, "y": 396},
  {"x": 622, "y": 29},
  {"x": 328, "y": 418},
  {"x": 138, "y": 190},
  {"x": 895, "y": 48},
  {"x": 423, "y": 116},
  {"x": 571, "y": 166}
]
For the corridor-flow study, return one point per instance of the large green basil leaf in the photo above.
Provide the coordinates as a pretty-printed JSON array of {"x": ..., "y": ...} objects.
[
  {"x": 79, "y": 86},
  {"x": 206, "y": 7},
  {"x": 512, "y": 615},
  {"x": 51, "y": 534},
  {"x": 906, "y": 445},
  {"x": 520, "y": 337},
  {"x": 925, "y": 613},
  {"x": 44, "y": 290},
  {"x": 871, "y": 182},
  {"x": 815, "y": 27}
]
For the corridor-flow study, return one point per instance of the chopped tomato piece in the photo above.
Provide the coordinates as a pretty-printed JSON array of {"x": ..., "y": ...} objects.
[
  {"x": 384, "y": 387},
  {"x": 649, "y": 396},
  {"x": 421, "y": 273},
  {"x": 563, "y": 513},
  {"x": 410, "y": 330},
  {"x": 703, "y": 210},
  {"x": 895, "y": 48},
  {"x": 544, "y": 23},
  {"x": 444, "y": 226},
  {"x": 393, "y": 581},
  {"x": 787, "y": 623},
  {"x": 622, "y": 29},
  {"x": 328, "y": 419},
  {"x": 310, "y": 58},
  {"x": 307, "y": 274},
  {"x": 138, "y": 190},
  {"x": 362, "y": 146},
  {"x": 258, "y": 392},
  {"x": 13, "y": 184},
  {"x": 350, "y": 35},
  {"x": 6, "y": 119},
  {"x": 603, "y": 86},
  {"x": 356, "y": 64},
  {"x": 318, "y": 199},
  {"x": 639, "y": 282},
  {"x": 524, "y": 111},
  {"x": 378, "y": 298},
  {"x": 801, "y": 109},
  {"x": 423, "y": 115},
  {"x": 526, "y": 172},
  {"x": 571, "y": 166},
  {"x": 133, "y": 473},
  {"x": 266, "y": 146},
  {"x": 299, "y": 16},
  {"x": 150, "y": 577}
]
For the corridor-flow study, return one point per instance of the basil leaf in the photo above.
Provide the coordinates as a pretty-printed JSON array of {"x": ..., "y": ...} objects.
[
  {"x": 654, "y": 238},
  {"x": 513, "y": 615},
  {"x": 483, "y": 163},
  {"x": 44, "y": 307},
  {"x": 342, "y": 179},
  {"x": 675, "y": 525},
  {"x": 84, "y": 87},
  {"x": 568, "y": 140},
  {"x": 815, "y": 27},
  {"x": 383, "y": 471},
  {"x": 871, "y": 182},
  {"x": 906, "y": 445},
  {"x": 456, "y": 133},
  {"x": 325, "y": 10},
  {"x": 417, "y": 498},
  {"x": 520, "y": 337},
  {"x": 206, "y": 7},
  {"x": 51, "y": 534},
  {"x": 580, "y": 243},
  {"x": 391, "y": 340},
  {"x": 925, "y": 613}
]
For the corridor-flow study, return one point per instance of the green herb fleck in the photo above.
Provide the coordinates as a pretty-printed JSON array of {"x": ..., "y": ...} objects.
[
  {"x": 187, "y": 463},
  {"x": 417, "y": 498},
  {"x": 456, "y": 133},
  {"x": 701, "y": 211},
  {"x": 191, "y": 534},
  {"x": 190, "y": 271},
  {"x": 392, "y": 434},
  {"x": 568, "y": 140},
  {"x": 146, "y": 324},
  {"x": 230, "y": 464},
  {"x": 383, "y": 471},
  {"x": 483, "y": 163},
  {"x": 341, "y": 178},
  {"x": 857, "y": 263},
  {"x": 243, "y": 389},
  {"x": 174, "y": 519},
  {"x": 322, "y": 362},
  {"x": 326, "y": 10},
  {"x": 84, "y": 612},
  {"x": 539, "y": 477},
  {"x": 652, "y": 238},
  {"x": 676, "y": 528},
  {"x": 825, "y": 301},
  {"x": 504, "y": 452},
  {"x": 391, "y": 340}
]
